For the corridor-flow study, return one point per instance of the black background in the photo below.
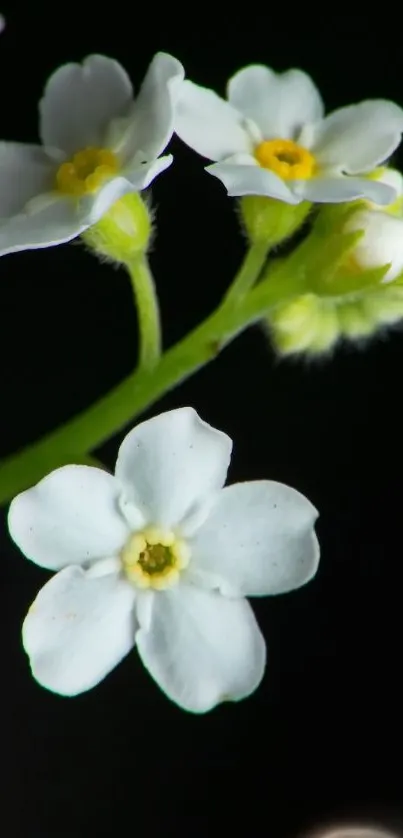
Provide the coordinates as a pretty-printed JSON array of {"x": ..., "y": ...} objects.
[{"x": 321, "y": 740}]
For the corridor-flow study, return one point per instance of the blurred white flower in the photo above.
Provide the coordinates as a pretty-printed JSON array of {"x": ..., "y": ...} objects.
[
  {"x": 162, "y": 557},
  {"x": 382, "y": 241},
  {"x": 353, "y": 830}
]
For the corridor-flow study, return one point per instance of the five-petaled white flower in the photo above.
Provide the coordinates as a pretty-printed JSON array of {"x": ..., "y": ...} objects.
[
  {"x": 160, "y": 556},
  {"x": 270, "y": 138},
  {"x": 98, "y": 145}
]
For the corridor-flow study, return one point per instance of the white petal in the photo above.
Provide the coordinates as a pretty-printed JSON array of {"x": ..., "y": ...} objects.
[
  {"x": 357, "y": 138},
  {"x": 104, "y": 567},
  {"x": 94, "y": 206},
  {"x": 150, "y": 124},
  {"x": 392, "y": 178},
  {"x": 25, "y": 173},
  {"x": 78, "y": 629},
  {"x": 340, "y": 188},
  {"x": 47, "y": 221},
  {"x": 252, "y": 180},
  {"x": 279, "y": 103},
  {"x": 171, "y": 464},
  {"x": 202, "y": 648},
  {"x": 69, "y": 517},
  {"x": 258, "y": 539},
  {"x": 381, "y": 243},
  {"x": 208, "y": 124},
  {"x": 140, "y": 177},
  {"x": 79, "y": 102}
]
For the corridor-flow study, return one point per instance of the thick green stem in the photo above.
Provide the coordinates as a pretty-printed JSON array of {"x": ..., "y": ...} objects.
[
  {"x": 147, "y": 312},
  {"x": 84, "y": 433}
]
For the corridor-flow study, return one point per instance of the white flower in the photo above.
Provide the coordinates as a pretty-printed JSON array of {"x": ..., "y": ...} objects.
[
  {"x": 382, "y": 240},
  {"x": 160, "y": 556},
  {"x": 270, "y": 138},
  {"x": 98, "y": 145}
]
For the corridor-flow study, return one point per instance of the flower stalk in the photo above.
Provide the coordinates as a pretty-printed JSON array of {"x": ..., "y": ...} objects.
[
  {"x": 146, "y": 301},
  {"x": 73, "y": 441}
]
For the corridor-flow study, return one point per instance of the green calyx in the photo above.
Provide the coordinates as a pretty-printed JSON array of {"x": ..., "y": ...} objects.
[
  {"x": 123, "y": 232},
  {"x": 270, "y": 221}
]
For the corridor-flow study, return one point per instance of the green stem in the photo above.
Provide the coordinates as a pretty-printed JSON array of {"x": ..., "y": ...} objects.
[
  {"x": 147, "y": 311},
  {"x": 85, "y": 432},
  {"x": 248, "y": 274}
]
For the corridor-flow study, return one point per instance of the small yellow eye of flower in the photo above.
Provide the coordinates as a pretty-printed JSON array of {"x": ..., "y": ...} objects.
[
  {"x": 287, "y": 159},
  {"x": 86, "y": 171},
  {"x": 154, "y": 558}
]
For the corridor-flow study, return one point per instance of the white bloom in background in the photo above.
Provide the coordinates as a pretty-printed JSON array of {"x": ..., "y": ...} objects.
[
  {"x": 382, "y": 241},
  {"x": 271, "y": 138},
  {"x": 160, "y": 556},
  {"x": 98, "y": 145}
]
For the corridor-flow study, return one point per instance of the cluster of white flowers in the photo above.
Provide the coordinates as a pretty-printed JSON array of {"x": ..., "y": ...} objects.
[
  {"x": 270, "y": 139},
  {"x": 159, "y": 555}
]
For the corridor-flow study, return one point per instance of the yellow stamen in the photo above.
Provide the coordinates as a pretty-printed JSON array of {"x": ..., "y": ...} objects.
[
  {"x": 154, "y": 558},
  {"x": 287, "y": 159},
  {"x": 86, "y": 171}
]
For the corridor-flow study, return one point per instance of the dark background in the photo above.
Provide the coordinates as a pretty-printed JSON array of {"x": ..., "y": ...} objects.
[{"x": 321, "y": 740}]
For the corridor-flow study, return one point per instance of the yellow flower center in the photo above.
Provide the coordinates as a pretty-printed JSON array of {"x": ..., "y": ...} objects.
[
  {"x": 86, "y": 171},
  {"x": 154, "y": 558},
  {"x": 287, "y": 159}
]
